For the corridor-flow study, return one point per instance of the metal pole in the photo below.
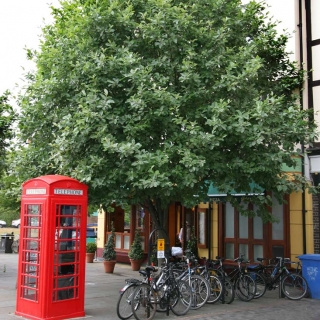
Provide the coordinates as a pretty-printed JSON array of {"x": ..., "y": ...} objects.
[{"x": 281, "y": 295}]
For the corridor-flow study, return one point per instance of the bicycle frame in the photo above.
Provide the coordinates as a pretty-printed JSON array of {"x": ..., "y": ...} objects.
[
  {"x": 236, "y": 272},
  {"x": 280, "y": 269},
  {"x": 166, "y": 280}
]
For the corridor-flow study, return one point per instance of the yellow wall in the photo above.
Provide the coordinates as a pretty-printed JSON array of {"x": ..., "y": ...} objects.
[
  {"x": 101, "y": 229},
  {"x": 296, "y": 224},
  {"x": 203, "y": 252},
  {"x": 214, "y": 233}
]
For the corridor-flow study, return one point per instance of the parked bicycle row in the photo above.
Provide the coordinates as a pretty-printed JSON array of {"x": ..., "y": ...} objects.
[{"x": 184, "y": 285}]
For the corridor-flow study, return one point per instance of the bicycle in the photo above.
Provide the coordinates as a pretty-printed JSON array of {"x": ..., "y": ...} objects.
[
  {"x": 293, "y": 285},
  {"x": 244, "y": 285},
  {"x": 124, "y": 302},
  {"x": 199, "y": 285},
  {"x": 213, "y": 270},
  {"x": 164, "y": 291},
  {"x": 259, "y": 278}
]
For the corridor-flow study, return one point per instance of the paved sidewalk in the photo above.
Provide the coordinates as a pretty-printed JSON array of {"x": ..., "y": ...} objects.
[{"x": 102, "y": 292}]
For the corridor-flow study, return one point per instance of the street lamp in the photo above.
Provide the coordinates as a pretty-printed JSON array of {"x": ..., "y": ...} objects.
[{"x": 315, "y": 169}]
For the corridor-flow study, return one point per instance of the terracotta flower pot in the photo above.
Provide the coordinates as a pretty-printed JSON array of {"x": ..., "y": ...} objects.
[
  {"x": 135, "y": 264},
  {"x": 109, "y": 266},
  {"x": 89, "y": 257}
]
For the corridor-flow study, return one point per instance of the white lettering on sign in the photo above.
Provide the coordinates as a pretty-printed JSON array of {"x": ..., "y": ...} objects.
[
  {"x": 68, "y": 192},
  {"x": 36, "y": 191}
]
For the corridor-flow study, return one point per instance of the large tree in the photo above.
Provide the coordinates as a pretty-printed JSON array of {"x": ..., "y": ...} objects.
[
  {"x": 7, "y": 117},
  {"x": 150, "y": 101},
  {"x": 8, "y": 194}
]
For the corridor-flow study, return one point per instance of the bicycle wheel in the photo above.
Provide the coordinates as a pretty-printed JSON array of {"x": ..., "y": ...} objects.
[
  {"x": 228, "y": 291},
  {"x": 215, "y": 289},
  {"x": 181, "y": 298},
  {"x": 245, "y": 288},
  {"x": 200, "y": 291},
  {"x": 143, "y": 304},
  {"x": 294, "y": 286},
  {"x": 261, "y": 283},
  {"x": 124, "y": 310}
]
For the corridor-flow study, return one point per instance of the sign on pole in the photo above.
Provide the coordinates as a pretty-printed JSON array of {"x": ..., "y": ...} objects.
[{"x": 160, "y": 253}]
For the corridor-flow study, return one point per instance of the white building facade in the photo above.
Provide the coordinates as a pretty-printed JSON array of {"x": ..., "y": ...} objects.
[{"x": 301, "y": 19}]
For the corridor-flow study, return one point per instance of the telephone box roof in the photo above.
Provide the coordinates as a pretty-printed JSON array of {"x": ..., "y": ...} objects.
[{"x": 52, "y": 178}]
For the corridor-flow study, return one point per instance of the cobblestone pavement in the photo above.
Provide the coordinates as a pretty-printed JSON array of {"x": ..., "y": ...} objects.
[{"x": 102, "y": 292}]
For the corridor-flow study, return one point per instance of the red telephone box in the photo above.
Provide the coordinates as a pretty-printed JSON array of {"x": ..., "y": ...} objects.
[{"x": 51, "y": 271}]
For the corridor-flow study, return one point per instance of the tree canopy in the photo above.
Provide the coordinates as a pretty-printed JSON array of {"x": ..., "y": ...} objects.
[
  {"x": 8, "y": 194},
  {"x": 150, "y": 101},
  {"x": 7, "y": 117}
]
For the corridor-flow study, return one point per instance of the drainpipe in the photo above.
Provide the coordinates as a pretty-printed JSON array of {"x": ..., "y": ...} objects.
[
  {"x": 302, "y": 145},
  {"x": 210, "y": 229}
]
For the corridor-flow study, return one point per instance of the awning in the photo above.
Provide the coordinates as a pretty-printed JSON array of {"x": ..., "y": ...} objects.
[{"x": 256, "y": 190}]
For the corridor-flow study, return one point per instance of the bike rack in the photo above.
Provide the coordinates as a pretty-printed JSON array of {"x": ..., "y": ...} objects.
[{"x": 167, "y": 242}]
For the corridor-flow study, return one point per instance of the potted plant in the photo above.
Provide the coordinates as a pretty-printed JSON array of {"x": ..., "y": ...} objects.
[
  {"x": 136, "y": 252},
  {"x": 91, "y": 249},
  {"x": 109, "y": 252}
]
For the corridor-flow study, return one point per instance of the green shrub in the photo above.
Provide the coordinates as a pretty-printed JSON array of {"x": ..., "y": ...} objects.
[
  {"x": 136, "y": 252},
  {"x": 109, "y": 252},
  {"x": 91, "y": 247}
]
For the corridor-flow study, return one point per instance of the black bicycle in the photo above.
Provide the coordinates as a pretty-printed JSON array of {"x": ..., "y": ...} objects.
[
  {"x": 293, "y": 285},
  {"x": 124, "y": 310},
  {"x": 244, "y": 285},
  {"x": 164, "y": 291},
  {"x": 186, "y": 271},
  {"x": 221, "y": 286}
]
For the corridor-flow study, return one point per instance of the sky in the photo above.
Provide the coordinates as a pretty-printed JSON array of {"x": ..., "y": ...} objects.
[{"x": 20, "y": 27}]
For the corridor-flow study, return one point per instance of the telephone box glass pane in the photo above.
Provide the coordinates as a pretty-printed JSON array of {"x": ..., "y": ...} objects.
[
  {"x": 29, "y": 294},
  {"x": 32, "y": 245},
  {"x": 67, "y": 252},
  {"x": 30, "y": 251},
  {"x": 33, "y": 209}
]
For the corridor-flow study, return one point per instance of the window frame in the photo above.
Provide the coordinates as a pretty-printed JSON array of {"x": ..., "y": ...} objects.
[
  {"x": 203, "y": 228},
  {"x": 267, "y": 242}
]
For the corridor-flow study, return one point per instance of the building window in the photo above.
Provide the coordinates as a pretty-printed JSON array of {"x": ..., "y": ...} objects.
[
  {"x": 202, "y": 229},
  {"x": 140, "y": 215},
  {"x": 249, "y": 236}
]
